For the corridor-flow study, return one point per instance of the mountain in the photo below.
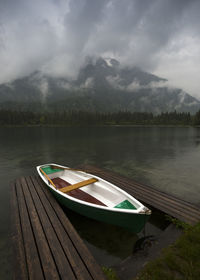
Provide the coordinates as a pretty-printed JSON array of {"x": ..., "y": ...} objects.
[{"x": 101, "y": 85}]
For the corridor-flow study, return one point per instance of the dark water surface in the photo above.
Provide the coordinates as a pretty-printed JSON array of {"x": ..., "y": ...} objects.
[{"x": 165, "y": 157}]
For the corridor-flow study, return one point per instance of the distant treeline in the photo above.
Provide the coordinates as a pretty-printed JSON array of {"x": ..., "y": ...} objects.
[{"x": 95, "y": 118}]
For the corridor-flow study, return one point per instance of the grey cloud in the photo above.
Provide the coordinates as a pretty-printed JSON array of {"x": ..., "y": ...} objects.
[
  {"x": 55, "y": 36},
  {"x": 80, "y": 23}
]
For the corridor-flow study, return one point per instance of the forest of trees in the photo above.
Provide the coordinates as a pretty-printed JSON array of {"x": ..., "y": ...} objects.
[{"x": 8, "y": 118}]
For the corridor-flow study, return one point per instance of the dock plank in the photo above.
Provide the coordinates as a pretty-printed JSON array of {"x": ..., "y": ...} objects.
[
  {"x": 68, "y": 249},
  {"x": 165, "y": 204},
  {"x": 77, "y": 242},
  {"x": 50, "y": 251},
  {"x": 158, "y": 194},
  {"x": 18, "y": 259},
  {"x": 169, "y": 204},
  {"x": 31, "y": 251},
  {"x": 45, "y": 244}
]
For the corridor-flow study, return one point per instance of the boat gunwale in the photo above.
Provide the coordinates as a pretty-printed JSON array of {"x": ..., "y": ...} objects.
[{"x": 139, "y": 210}]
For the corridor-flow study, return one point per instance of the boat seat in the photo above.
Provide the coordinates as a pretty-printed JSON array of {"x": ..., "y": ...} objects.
[{"x": 79, "y": 194}]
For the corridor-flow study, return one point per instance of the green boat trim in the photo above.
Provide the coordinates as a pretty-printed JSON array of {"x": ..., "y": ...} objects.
[
  {"x": 118, "y": 208},
  {"x": 125, "y": 219},
  {"x": 49, "y": 170},
  {"x": 125, "y": 205}
]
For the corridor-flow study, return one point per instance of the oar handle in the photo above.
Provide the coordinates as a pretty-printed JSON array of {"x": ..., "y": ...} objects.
[
  {"x": 48, "y": 178},
  {"x": 66, "y": 168}
]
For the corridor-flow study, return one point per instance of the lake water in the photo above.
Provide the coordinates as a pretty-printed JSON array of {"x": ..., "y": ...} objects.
[{"x": 166, "y": 157}]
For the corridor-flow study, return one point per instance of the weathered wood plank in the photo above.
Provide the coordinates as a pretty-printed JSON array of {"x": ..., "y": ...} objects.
[
  {"x": 116, "y": 176},
  {"x": 39, "y": 212},
  {"x": 86, "y": 257},
  {"x": 46, "y": 244},
  {"x": 18, "y": 258},
  {"x": 42, "y": 242},
  {"x": 31, "y": 251},
  {"x": 134, "y": 186},
  {"x": 167, "y": 203},
  {"x": 69, "y": 258}
]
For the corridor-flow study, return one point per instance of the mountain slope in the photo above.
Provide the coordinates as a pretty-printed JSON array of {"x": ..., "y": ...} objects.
[{"x": 101, "y": 85}]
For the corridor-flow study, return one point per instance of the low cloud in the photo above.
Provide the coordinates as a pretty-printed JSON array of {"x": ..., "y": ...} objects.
[
  {"x": 56, "y": 36},
  {"x": 44, "y": 88},
  {"x": 116, "y": 82}
]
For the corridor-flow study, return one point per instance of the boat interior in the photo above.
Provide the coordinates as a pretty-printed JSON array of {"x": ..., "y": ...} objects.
[{"x": 92, "y": 190}]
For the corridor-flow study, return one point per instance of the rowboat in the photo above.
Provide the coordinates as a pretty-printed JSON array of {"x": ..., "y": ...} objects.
[{"x": 94, "y": 197}]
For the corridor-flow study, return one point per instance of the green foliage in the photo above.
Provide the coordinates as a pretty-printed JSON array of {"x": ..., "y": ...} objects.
[
  {"x": 178, "y": 223},
  {"x": 9, "y": 117},
  {"x": 179, "y": 261},
  {"x": 110, "y": 273},
  {"x": 197, "y": 118}
]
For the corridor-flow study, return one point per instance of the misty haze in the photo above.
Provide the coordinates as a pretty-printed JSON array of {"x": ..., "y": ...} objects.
[{"x": 105, "y": 84}]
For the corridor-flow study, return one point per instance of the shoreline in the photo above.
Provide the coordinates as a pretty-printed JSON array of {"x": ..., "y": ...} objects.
[{"x": 99, "y": 125}]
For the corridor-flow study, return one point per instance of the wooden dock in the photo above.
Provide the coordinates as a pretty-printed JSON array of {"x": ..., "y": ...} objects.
[
  {"x": 45, "y": 244},
  {"x": 175, "y": 207}
]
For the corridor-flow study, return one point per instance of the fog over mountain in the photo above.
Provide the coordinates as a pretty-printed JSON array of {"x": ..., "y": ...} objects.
[
  {"x": 54, "y": 36},
  {"x": 103, "y": 85}
]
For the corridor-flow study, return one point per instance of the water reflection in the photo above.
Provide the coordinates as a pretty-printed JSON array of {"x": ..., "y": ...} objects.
[
  {"x": 108, "y": 243},
  {"x": 165, "y": 157},
  {"x": 111, "y": 244}
]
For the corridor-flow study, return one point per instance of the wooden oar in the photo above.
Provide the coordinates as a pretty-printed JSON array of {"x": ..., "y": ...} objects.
[
  {"x": 78, "y": 185},
  {"x": 66, "y": 168},
  {"x": 48, "y": 178}
]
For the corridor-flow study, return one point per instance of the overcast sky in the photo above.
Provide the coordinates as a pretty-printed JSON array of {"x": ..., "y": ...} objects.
[{"x": 55, "y": 36}]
